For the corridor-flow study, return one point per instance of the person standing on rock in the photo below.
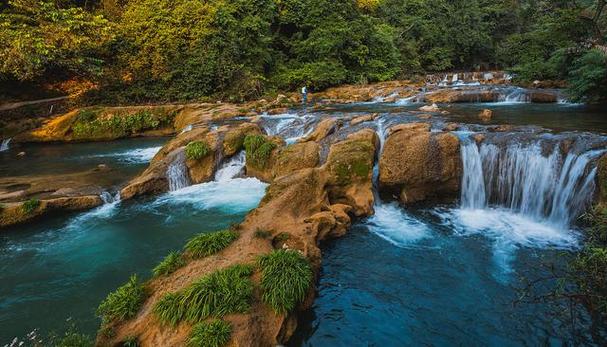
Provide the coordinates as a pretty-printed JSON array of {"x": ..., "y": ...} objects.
[{"x": 304, "y": 95}]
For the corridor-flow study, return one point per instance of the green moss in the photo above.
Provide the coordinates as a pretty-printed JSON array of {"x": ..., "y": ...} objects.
[
  {"x": 286, "y": 277},
  {"x": 89, "y": 123},
  {"x": 210, "y": 243},
  {"x": 124, "y": 303},
  {"x": 262, "y": 234},
  {"x": 351, "y": 160},
  {"x": 29, "y": 206},
  {"x": 222, "y": 292},
  {"x": 282, "y": 237},
  {"x": 215, "y": 333},
  {"x": 169, "y": 264},
  {"x": 197, "y": 150},
  {"x": 258, "y": 150}
]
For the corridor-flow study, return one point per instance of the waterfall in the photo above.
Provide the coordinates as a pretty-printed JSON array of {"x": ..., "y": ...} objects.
[
  {"x": 381, "y": 133},
  {"x": 108, "y": 198},
  {"x": 177, "y": 173},
  {"x": 5, "y": 144},
  {"x": 523, "y": 179},
  {"x": 232, "y": 168}
]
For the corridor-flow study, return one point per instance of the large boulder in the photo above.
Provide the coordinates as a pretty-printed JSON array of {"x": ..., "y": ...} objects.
[
  {"x": 296, "y": 157},
  {"x": 26, "y": 211},
  {"x": 419, "y": 164},
  {"x": 325, "y": 128}
]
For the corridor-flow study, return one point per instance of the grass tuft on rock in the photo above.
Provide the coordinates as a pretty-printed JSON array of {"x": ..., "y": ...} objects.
[
  {"x": 286, "y": 276},
  {"x": 30, "y": 206},
  {"x": 169, "y": 264},
  {"x": 210, "y": 243},
  {"x": 124, "y": 303},
  {"x": 258, "y": 150},
  {"x": 217, "y": 294},
  {"x": 215, "y": 333},
  {"x": 197, "y": 150}
]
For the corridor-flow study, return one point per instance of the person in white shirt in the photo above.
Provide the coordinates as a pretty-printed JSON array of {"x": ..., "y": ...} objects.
[{"x": 304, "y": 95}]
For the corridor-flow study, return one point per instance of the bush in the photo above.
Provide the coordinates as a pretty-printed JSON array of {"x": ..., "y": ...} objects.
[
  {"x": 258, "y": 150},
  {"x": 210, "y": 243},
  {"x": 124, "y": 303},
  {"x": 588, "y": 79},
  {"x": 222, "y": 292},
  {"x": 197, "y": 150},
  {"x": 30, "y": 206},
  {"x": 89, "y": 124},
  {"x": 262, "y": 234},
  {"x": 286, "y": 277},
  {"x": 212, "y": 334},
  {"x": 169, "y": 264}
]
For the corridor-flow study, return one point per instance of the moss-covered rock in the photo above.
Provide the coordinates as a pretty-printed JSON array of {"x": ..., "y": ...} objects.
[{"x": 233, "y": 141}]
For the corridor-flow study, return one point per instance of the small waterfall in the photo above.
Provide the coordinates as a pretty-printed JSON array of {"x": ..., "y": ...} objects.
[
  {"x": 514, "y": 96},
  {"x": 5, "y": 144},
  {"x": 108, "y": 198},
  {"x": 381, "y": 133},
  {"x": 522, "y": 178},
  {"x": 177, "y": 173},
  {"x": 232, "y": 168}
]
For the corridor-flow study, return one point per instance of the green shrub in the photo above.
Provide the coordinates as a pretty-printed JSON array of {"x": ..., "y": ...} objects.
[
  {"x": 124, "y": 303},
  {"x": 71, "y": 338},
  {"x": 210, "y": 243},
  {"x": 282, "y": 237},
  {"x": 89, "y": 124},
  {"x": 215, "y": 333},
  {"x": 222, "y": 292},
  {"x": 286, "y": 277},
  {"x": 262, "y": 234},
  {"x": 30, "y": 206},
  {"x": 197, "y": 150},
  {"x": 169, "y": 264},
  {"x": 258, "y": 150}
]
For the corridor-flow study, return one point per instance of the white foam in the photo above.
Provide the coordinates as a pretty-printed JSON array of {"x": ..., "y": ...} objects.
[
  {"x": 234, "y": 195},
  {"x": 394, "y": 225},
  {"x": 134, "y": 156}
]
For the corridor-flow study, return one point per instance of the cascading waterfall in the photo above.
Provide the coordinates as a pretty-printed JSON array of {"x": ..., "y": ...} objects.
[
  {"x": 524, "y": 180},
  {"x": 232, "y": 168},
  {"x": 5, "y": 145},
  {"x": 177, "y": 173}
]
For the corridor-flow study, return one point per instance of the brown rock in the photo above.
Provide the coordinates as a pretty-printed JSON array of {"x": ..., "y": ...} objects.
[
  {"x": 543, "y": 96},
  {"x": 478, "y": 138},
  {"x": 462, "y": 95},
  {"x": 430, "y": 108},
  {"x": 485, "y": 115},
  {"x": 296, "y": 157},
  {"x": 362, "y": 119},
  {"x": 234, "y": 138},
  {"x": 451, "y": 127},
  {"x": 420, "y": 164},
  {"x": 325, "y": 128}
]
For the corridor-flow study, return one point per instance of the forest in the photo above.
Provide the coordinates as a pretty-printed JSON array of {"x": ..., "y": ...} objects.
[{"x": 164, "y": 50}]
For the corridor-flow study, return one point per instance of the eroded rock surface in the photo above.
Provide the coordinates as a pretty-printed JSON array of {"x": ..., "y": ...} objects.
[{"x": 419, "y": 164}]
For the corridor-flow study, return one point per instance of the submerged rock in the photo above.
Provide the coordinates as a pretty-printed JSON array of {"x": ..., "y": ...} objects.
[
  {"x": 419, "y": 164},
  {"x": 485, "y": 115},
  {"x": 430, "y": 108}
]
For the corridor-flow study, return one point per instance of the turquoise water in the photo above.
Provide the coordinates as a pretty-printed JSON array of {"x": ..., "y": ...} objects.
[
  {"x": 419, "y": 283},
  {"x": 63, "y": 268}
]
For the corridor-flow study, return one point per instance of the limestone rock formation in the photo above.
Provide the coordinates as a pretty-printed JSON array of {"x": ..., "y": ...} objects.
[
  {"x": 308, "y": 205},
  {"x": 419, "y": 164}
]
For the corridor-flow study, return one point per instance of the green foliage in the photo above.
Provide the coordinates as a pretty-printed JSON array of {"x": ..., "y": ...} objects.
[
  {"x": 222, "y": 292},
  {"x": 71, "y": 338},
  {"x": 215, "y": 333},
  {"x": 258, "y": 149},
  {"x": 282, "y": 237},
  {"x": 124, "y": 303},
  {"x": 37, "y": 36},
  {"x": 197, "y": 150},
  {"x": 588, "y": 79},
  {"x": 90, "y": 124},
  {"x": 286, "y": 277},
  {"x": 29, "y": 206},
  {"x": 262, "y": 234},
  {"x": 169, "y": 264},
  {"x": 206, "y": 244}
]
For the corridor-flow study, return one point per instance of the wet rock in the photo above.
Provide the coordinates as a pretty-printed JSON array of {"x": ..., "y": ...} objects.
[
  {"x": 419, "y": 164},
  {"x": 325, "y": 128},
  {"x": 362, "y": 119},
  {"x": 424, "y": 116},
  {"x": 430, "y": 108},
  {"x": 462, "y": 95},
  {"x": 485, "y": 115},
  {"x": 542, "y": 96},
  {"x": 479, "y": 138},
  {"x": 451, "y": 127},
  {"x": 296, "y": 157},
  {"x": 20, "y": 212}
]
